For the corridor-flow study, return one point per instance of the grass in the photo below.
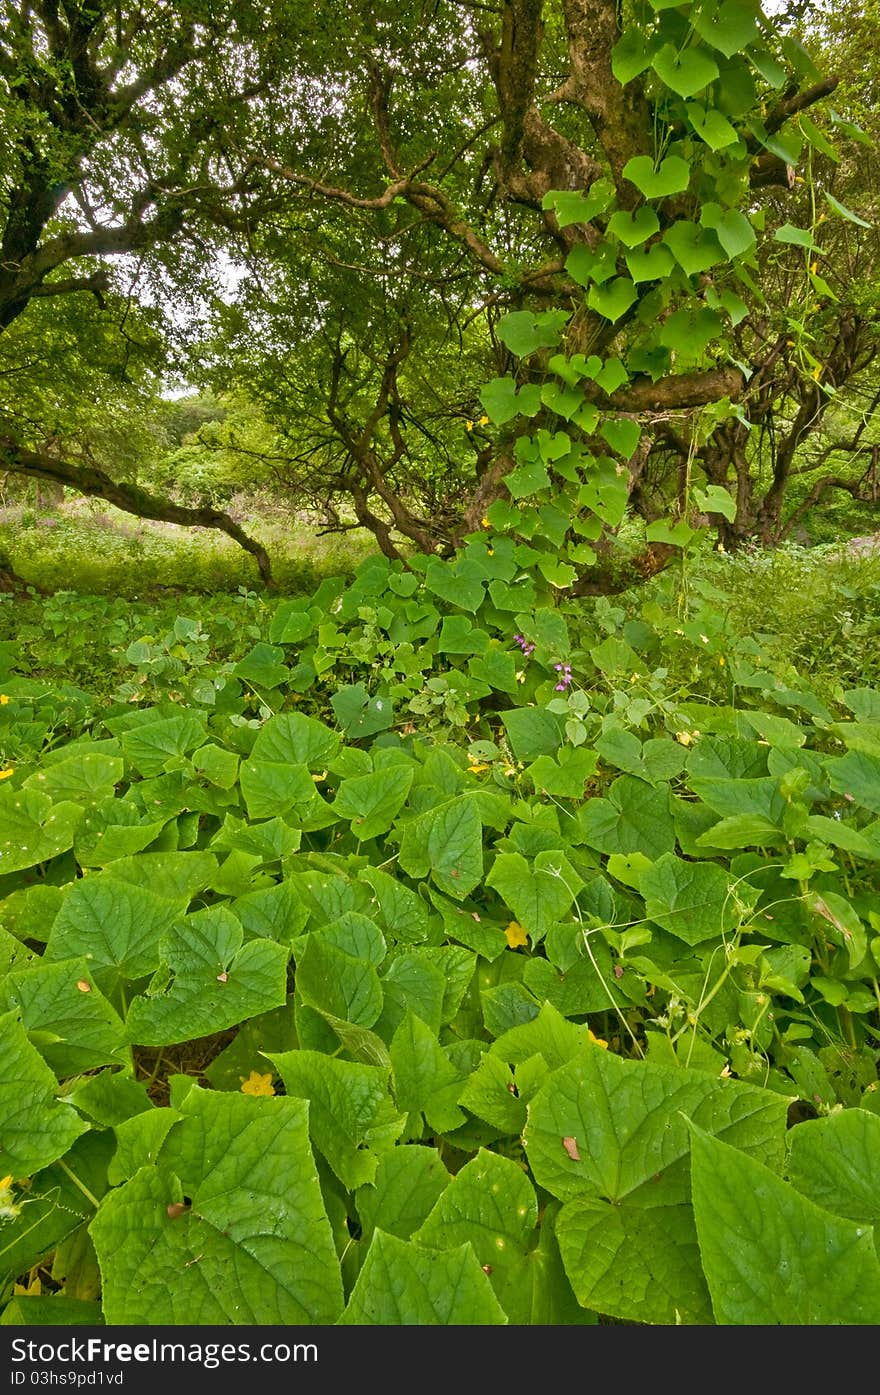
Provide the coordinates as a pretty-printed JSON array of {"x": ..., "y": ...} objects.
[{"x": 99, "y": 550}]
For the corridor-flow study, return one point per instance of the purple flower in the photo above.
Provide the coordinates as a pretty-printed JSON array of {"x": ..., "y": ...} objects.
[
  {"x": 524, "y": 644},
  {"x": 565, "y": 679}
]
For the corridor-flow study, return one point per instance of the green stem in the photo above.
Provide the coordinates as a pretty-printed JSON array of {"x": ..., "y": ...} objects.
[{"x": 89, "y": 1196}]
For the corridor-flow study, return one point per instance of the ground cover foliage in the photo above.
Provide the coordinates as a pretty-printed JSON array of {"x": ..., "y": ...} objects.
[
  {"x": 432, "y": 950},
  {"x": 437, "y": 945}
]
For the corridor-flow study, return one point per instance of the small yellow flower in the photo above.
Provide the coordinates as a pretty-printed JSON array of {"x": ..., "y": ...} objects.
[
  {"x": 597, "y": 1041},
  {"x": 5, "y": 1182},
  {"x": 721, "y": 547},
  {"x": 817, "y": 372},
  {"x": 477, "y": 767},
  {"x": 814, "y": 267},
  {"x": 721, "y": 659},
  {"x": 484, "y": 421},
  {"x": 484, "y": 523},
  {"x": 520, "y": 675},
  {"x": 684, "y": 737},
  {"x": 3, "y": 699},
  {"x": 321, "y": 775},
  {"x": 516, "y": 935},
  {"x": 469, "y": 426},
  {"x": 257, "y": 1084},
  {"x": 5, "y": 774},
  {"x": 510, "y": 771}
]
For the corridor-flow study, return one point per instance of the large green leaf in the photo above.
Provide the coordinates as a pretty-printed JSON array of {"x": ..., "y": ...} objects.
[
  {"x": 424, "y": 1078},
  {"x": 152, "y": 746},
  {"x": 692, "y": 900},
  {"x": 408, "y": 1182},
  {"x": 335, "y": 982},
  {"x": 836, "y": 1163},
  {"x": 686, "y": 71},
  {"x": 404, "y": 1284},
  {"x": 67, "y": 1019},
  {"x": 349, "y": 1107},
  {"x": 253, "y": 1245},
  {"x": 292, "y": 738},
  {"x": 671, "y": 176},
  {"x": 213, "y": 980},
  {"x": 770, "y": 1255},
  {"x": 635, "y": 817},
  {"x": 35, "y": 1126},
  {"x": 539, "y": 895},
  {"x": 371, "y": 802},
  {"x": 33, "y": 828},
  {"x": 609, "y": 1137},
  {"x": 116, "y": 925},
  {"x": 447, "y": 843},
  {"x": 491, "y": 1205}
]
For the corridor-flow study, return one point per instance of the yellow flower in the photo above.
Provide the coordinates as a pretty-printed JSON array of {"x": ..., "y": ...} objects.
[
  {"x": 469, "y": 426},
  {"x": 3, "y": 699},
  {"x": 484, "y": 523},
  {"x": 484, "y": 421},
  {"x": 597, "y": 1041},
  {"x": 721, "y": 659},
  {"x": 516, "y": 935},
  {"x": 814, "y": 267},
  {"x": 510, "y": 771},
  {"x": 477, "y": 767},
  {"x": 5, "y": 774},
  {"x": 684, "y": 737},
  {"x": 258, "y": 1085},
  {"x": 818, "y": 371}
]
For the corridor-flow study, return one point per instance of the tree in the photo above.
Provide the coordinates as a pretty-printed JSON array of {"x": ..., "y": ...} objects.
[{"x": 401, "y": 191}]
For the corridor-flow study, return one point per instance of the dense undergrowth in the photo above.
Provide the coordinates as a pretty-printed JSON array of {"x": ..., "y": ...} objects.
[{"x": 424, "y": 949}]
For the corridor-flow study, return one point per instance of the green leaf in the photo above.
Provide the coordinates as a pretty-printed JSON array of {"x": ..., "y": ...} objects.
[
  {"x": 732, "y": 229},
  {"x": 609, "y": 1137},
  {"x": 338, "y": 983},
  {"x": 447, "y": 843},
  {"x": 404, "y": 1284},
  {"x": 686, "y": 71},
  {"x": 798, "y": 237},
  {"x": 572, "y": 207},
  {"x": 858, "y": 775},
  {"x": 585, "y": 265},
  {"x": 690, "y": 330},
  {"x": 527, "y": 479},
  {"x": 692, "y": 900},
  {"x": 694, "y": 248},
  {"x": 729, "y": 26},
  {"x": 65, "y": 1016},
  {"x": 754, "y": 1229},
  {"x": 539, "y": 895},
  {"x": 35, "y": 1126},
  {"x": 255, "y": 1245},
  {"x": 671, "y": 176},
  {"x": 291, "y": 623},
  {"x": 33, "y": 829},
  {"x": 151, "y": 746},
  {"x": 112, "y": 829},
  {"x": 712, "y": 126},
  {"x": 216, "y": 980},
  {"x": 408, "y": 1183},
  {"x": 371, "y": 802},
  {"x": 843, "y": 212},
  {"x": 818, "y": 140},
  {"x": 358, "y": 713},
  {"x": 490, "y": 1094},
  {"x": 634, "y": 228},
  {"x": 347, "y": 1102},
  {"x": 291, "y": 738},
  {"x": 523, "y": 331},
  {"x": 115, "y": 925},
  {"x": 622, "y": 434},
  {"x": 502, "y": 402},
  {"x": 715, "y": 499},
  {"x": 491, "y": 1205},
  {"x": 614, "y": 299},
  {"x": 835, "y": 1162},
  {"x": 631, "y": 55},
  {"x": 650, "y": 263},
  {"x": 635, "y": 817},
  {"x": 460, "y": 581},
  {"x": 424, "y": 1078},
  {"x": 262, "y": 666}
]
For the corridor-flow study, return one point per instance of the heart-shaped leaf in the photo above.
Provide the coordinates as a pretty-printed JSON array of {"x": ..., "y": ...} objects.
[
  {"x": 672, "y": 176},
  {"x": 686, "y": 71},
  {"x": 634, "y": 228},
  {"x": 613, "y": 301}
]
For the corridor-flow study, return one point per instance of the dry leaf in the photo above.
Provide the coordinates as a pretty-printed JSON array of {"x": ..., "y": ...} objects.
[{"x": 571, "y": 1148}]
